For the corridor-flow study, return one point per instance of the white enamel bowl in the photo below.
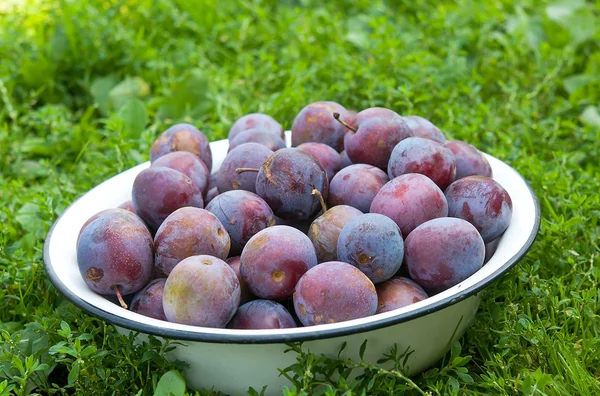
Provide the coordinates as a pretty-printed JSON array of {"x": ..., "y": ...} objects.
[{"x": 233, "y": 360}]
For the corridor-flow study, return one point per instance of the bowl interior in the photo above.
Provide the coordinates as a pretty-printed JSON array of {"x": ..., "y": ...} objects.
[{"x": 61, "y": 264}]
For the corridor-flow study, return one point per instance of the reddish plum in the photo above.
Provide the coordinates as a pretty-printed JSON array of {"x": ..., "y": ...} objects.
[
  {"x": 325, "y": 230},
  {"x": 148, "y": 301},
  {"x": 262, "y": 314},
  {"x": 424, "y": 156},
  {"x": 159, "y": 191},
  {"x": 398, "y": 292},
  {"x": 443, "y": 252},
  {"x": 201, "y": 291},
  {"x": 189, "y": 232},
  {"x": 482, "y": 202},
  {"x": 128, "y": 205},
  {"x": 188, "y": 164},
  {"x": 260, "y": 136},
  {"x": 469, "y": 160},
  {"x": 245, "y": 294},
  {"x": 182, "y": 137},
  {"x": 243, "y": 214},
  {"x": 247, "y": 155},
  {"x": 424, "y": 128},
  {"x": 315, "y": 123},
  {"x": 356, "y": 185},
  {"x": 410, "y": 200},
  {"x": 334, "y": 292},
  {"x": 329, "y": 159},
  {"x": 256, "y": 120},
  {"x": 374, "y": 135},
  {"x": 274, "y": 259}
]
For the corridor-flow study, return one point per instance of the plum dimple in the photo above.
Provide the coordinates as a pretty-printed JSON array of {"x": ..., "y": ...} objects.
[
  {"x": 483, "y": 202},
  {"x": 443, "y": 252}
]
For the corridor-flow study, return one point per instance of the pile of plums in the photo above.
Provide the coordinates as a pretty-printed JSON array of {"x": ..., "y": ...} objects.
[{"x": 366, "y": 213}]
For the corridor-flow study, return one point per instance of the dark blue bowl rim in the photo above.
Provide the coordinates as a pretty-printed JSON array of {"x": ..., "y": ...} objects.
[{"x": 242, "y": 338}]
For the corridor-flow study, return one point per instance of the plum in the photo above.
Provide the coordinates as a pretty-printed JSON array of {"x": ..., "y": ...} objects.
[
  {"x": 345, "y": 160},
  {"x": 189, "y": 232},
  {"x": 128, "y": 205},
  {"x": 482, "y": 202},
  {"x": 424, "y": 156},
  {"x": 329, "y": 159},
  {"x": 469, "y": 160},
  {"x": 188, "y": 164},
  {"x": 256, "y": 120},
  {"x": 212, "y": 193},
  {"x": 286, "y": 182},
  {"x": 247, "y": 155},
  {"x": 410, "y": 200},
  {"x": 262, "y": 314},
  {"x": 148, "y": 301},
  {"x": 398, "y": 292},
  {"x": 182, "y": 137},
  {"x": 243, "y": 214},
  {"x": 274, "y": 259},
  {"x": 245, "y": 294},
  {"x": 201, "y": 291},
  {"x": 315, "y": 123},
  {"x": 96, "y": 215},
  {"x": 260, "y": 136},
  {"x": 375, "y": 133},
  {"x": 356, "y": 185},
  {"x": 443, "y": 252},
  {"x": 424, "y": 128},
  {"x": 159, "y": 191},
  {"x": 325, "y": 230},
  {"x": 372, "y": 243},
  {"x": 114, "y": 254},
  {"x": 334, "y": 292}
]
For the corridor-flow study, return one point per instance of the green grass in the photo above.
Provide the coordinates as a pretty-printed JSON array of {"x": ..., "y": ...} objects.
[{"x": 85, "y": 87}]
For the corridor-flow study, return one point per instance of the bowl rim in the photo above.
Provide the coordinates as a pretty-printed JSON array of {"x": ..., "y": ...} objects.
[{"x": 186, "y": 335}]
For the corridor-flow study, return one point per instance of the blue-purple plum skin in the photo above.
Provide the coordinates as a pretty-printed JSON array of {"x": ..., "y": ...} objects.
[
  {"x": 183, "y": 137},
  {"x": 188, "y": 164},
  {"x": 148, "y": 301},
  {"x": 424, "y": 128},
  {"x": 398, "y": 292},
  {"x": 247, "y": 155},
  {"x": 329, "y": 159},
  {"x": 262, "y": 314},
  {"x": 253, "y": 121},
  {"x": 469, "y": 160},
  {"x": 443, "y": 252},
  {"x": 372, "y": 243},
  {"x": 286, "y": 182},
  {"x": 260, "y": 136},
  {"x": 483, "y": 202},
  {"x": 243, "y": 214},
  {"x": 114, "y": 251},
  {"x": 315, "y": 123},
  {"x": 325, "y": 230}
]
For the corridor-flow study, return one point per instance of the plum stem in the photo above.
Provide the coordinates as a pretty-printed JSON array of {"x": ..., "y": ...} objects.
[
  {"x": 320, "y": 196},
  {"x": 117, "y": 290},
  {"x": 242, "y": 170},
  {"x": 336, "y": 115}
]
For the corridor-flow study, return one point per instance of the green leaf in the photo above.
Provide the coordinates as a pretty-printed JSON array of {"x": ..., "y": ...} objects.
[
  {"x": 562, "y": 10},
  {"x": 129, "y": 88},
  {"x": 73, "y": 374},
  {"x": 29, "y": 217},
  {"x": 590, "y": 116},
  {"x": 133, "y": 114},
  {"x": 362, "y": 350},
  {"x": 171, "y": 383},
  {"x": 100, "y": 90},
  {"x": 574, "y": 82},
  {"x": 87, "y": 351},
  {"x": 188, "y": 97}
]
